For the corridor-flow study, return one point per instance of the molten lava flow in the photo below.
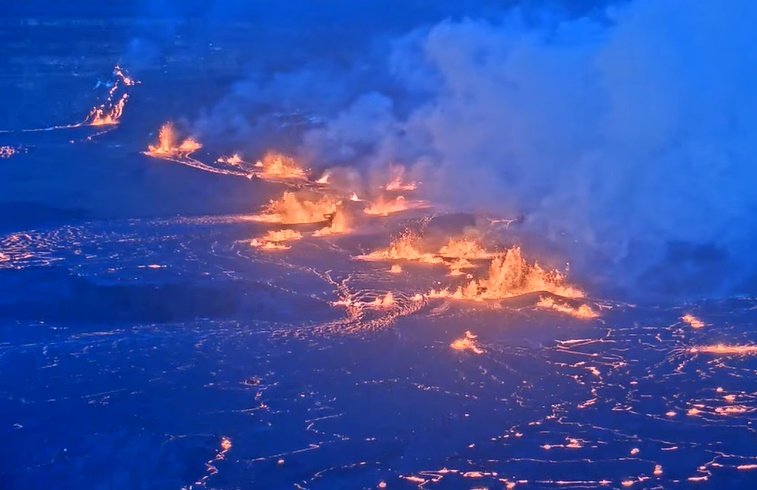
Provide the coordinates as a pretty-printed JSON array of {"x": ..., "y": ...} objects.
[
  {"x": 274, "y": 240},
  {"x": 406, "y": 247},
  {"x": 692, "y": 321},
  {"x": 511, "y": 275},
  {"x": 338, "y": 224},
  {"x": 384, "y": 207},
  {"x": 397, "y": 182},
  {"x": 725, "y": 350},
  {"x": 467, "y": 343},
  {"x": 395, "y": 269},
  {"x": 292, "y": 208},
  {"x": 464, "y": 248},
  {"x": 167, "y": 146},
  {"x": 583, "y": 312},
  {"x": 109, "y": 113},
  {"x": 278, "y": 166}
]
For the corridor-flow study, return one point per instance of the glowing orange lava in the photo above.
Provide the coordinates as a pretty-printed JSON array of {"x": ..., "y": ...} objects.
[
  {"x": 464, "y": 248},
  {"x": 584, "y": 312},
  {"x": 405, "y": 247},
  {"x": 385, "y": 207},
  {"x": 167, "y": 146},
  {"x": 276, "y": 165},
  {"x": 274, "y": 240},
  {"x": 467, "y": 343},
  {"x": 725, "y": 350},
  {"x": 293, "y": 208},
  {"x": 338, "y": 224},
  {"x": 234, "y": 160},
  {"x": 511, "y": 275},
  {"x": 692, "y": 321},
  {"x": 107, "y": 114}
]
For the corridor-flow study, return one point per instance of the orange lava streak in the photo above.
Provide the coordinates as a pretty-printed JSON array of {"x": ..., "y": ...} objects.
[
  {"x": 584, "y": 312},
  {"x": 726, "y": 350},
  {"x": 692, "y": 321}
]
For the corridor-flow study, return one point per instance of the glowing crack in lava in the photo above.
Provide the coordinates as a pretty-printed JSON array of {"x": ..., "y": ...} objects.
[
  {"x": 276, "y": 165},
  {"x": 511, "y": 275},
  {"x": 725, "y": 350},
  {"x": 467, "y": 343},
  {"x": 276, "y": 240},
  {"x": 292, "y": 208},
  {"x": 168, "y": 145},
  {"x": 385, "y": 207}
]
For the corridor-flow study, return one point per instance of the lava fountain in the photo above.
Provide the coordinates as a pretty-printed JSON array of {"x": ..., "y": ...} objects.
[
  {"x": 511, "y": 275},
  {"x": 168, "y": 146},
  {"x": 292, "y": 208},
  {"x": 276, "y": 165}
]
